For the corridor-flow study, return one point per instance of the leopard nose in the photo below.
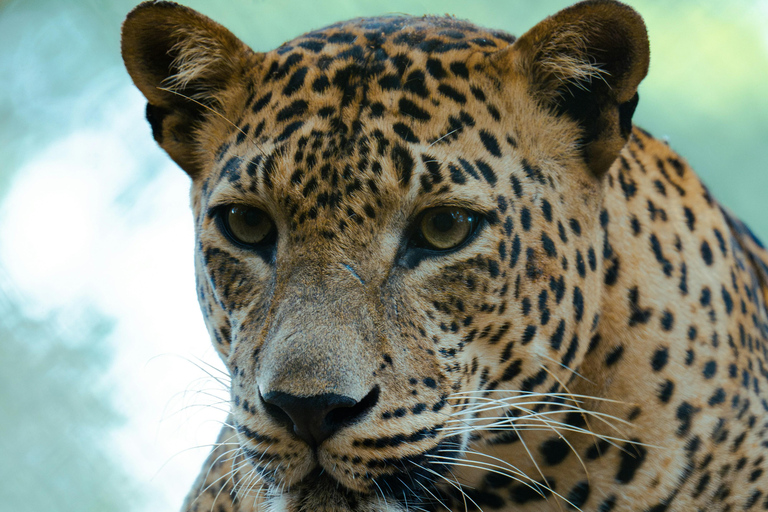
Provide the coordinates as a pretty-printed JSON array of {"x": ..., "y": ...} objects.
[{"x": 316, "y": 418}]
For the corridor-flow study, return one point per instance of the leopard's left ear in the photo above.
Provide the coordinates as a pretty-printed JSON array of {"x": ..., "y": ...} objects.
[
  {"x": 586, "y": 62},
  {"x": 181, "y": 61}
]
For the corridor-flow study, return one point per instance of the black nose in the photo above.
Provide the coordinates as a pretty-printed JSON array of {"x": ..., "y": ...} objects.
[{"x": 316, "y": 418}]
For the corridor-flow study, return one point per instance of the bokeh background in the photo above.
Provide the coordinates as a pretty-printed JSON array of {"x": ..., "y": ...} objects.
[{"x": 109, "y": 392}]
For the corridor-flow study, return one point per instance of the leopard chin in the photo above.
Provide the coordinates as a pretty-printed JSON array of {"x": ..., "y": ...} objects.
[{"x": 321, "y": 493}]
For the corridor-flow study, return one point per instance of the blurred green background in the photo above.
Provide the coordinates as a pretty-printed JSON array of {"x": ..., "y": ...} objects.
[{"x": 104, "y": 362}]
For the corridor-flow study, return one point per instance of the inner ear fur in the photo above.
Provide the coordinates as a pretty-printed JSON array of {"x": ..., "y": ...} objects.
[
  {"x": 586, "y": 62},
  {"x": 181, "y": 61}
]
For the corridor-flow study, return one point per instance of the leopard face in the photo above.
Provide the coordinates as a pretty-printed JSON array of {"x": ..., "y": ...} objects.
[{"x": 407, "y": 257}]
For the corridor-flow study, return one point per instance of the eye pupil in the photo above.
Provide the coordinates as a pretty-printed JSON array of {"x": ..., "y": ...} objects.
[
  {"x": 253, "y": 217},
  {"x": 443, "y": 222}
]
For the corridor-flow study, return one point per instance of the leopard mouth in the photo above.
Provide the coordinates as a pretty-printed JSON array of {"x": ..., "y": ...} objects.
[
  {"x": 320, "y": 492},
  {"x": 407, "y": 482}
]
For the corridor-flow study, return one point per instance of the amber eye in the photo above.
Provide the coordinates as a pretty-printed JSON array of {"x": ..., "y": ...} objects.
[
  {"x": 446, "y": 227},
  {"x": 247, "y": 225}
]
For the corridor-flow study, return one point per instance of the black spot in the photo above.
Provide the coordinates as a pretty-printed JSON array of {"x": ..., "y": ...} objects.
[
  {"x": 598, "y": 449},
  {"x": 512, "y": 371},
  {"x": 297, "y": 108},
  {"x": 683, "y": 279},
  {"x": 578, "y": 495},
  {"x": 261, "y": 103},
  {"x": 377, "y": 109},
  {"x": 533, "y": 173},
  {"x": 557, "y": 337},
  {"x": 575, "y": 226},
  {"x": 706, "y": 253},
  {"x": 459, "y": 69},
  {"x": 530, "y": 491},
  {"x": 409, "y": 108},
  {"x": 516, "y": 186},
  {"x": 710, "y": 368},
  {"x": 231, "y": 169},
  {"x": 571, "y": 352},
  {"x": 342, "y": 38},
  {"x": 558, "y": 287},
  {"x": 690, "y": 218},
  {"x": 469, "y": 169},
  {"x": 721, "y": 242},
  {"x": 451, "y": 93},
  {"x": 638, "y": 315},
  {"x": 549, "y": 245},
  {"x": 660, "y": 359},
  {"x": 456, "y": 175},
  {"x": 718, "y": 397},
  {"x": 528, "y": 334},
  {"x": 614, "y": 356},
  {"x": 403, "y": 163},
  {"x": 667, "y": 320},
  {"x": 657, "y": 251},
  {"x": 604, "y": 219},
  {"x": 487, "y": 172},
  {"x": 608, "y": 504},
  {"x": 543, "y": 307},
  {"x": 666, "y": 390},
  {"x": 628, "y": 185},
  {"x": 296, "y": 81},
  {"x": 289, "y": 130},
  {"x": 313, "y": 46},
  {"x": 554, "y": 450},
  {"x": 632, "y": 457},
  {"x": 592, "y": 259},
  {"x": 490, "y": 143},
  {"x": 405, "y": 132},
  {"x": 478, "y": 93},
  {"x": 415, "y": 83},
  {"x": 435, "y": 68},
  {"x": 389, "y": 82},
  {"x": 685, "y": 413},
  {"x": 320, "y": 83},
  {"x": 727, "y": 300},
  {"x": 706, "y": 297},
  {"x": 495, "y": 114},
  {"x": 532, "y": 382},
  {"x": 525, "y": 218},
  {"x": 578, "y": 304},
  {"x": 581, "y": 267}
]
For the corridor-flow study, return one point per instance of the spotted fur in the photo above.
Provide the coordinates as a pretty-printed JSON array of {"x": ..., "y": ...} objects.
[{"x": 600, "y": 341}]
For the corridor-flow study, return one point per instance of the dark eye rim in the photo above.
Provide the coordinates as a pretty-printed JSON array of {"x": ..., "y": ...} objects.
[
  {"x": 417, "y": 241},
  {"x": 219, "y": 214}
]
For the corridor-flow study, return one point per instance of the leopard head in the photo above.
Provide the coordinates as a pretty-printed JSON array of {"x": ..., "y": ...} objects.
[{"x": 393, "y": 217}]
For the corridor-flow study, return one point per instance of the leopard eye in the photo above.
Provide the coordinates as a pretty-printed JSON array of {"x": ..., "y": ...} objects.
[
  {"x": 247, "y": 225},
  {"x": 446, "y": 227}
]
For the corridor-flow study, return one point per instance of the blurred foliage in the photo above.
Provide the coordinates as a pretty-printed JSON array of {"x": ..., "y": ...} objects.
[{"x": 54, "y": 414}]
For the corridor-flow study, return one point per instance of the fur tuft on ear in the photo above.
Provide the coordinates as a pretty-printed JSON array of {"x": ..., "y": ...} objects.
[
  {"x": 586, "y": 62},
  {"x": 181, "y": 61}
]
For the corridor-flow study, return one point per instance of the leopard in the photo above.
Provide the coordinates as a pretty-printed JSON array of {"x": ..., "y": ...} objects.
[{"x": 446, "y": 272}]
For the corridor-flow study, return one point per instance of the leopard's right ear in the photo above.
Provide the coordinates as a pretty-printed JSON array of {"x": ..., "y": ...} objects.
[{"x": 182, "y": 62}]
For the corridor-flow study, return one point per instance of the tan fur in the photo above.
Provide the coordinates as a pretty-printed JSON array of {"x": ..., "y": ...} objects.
[{"x": 598, "y": 342}]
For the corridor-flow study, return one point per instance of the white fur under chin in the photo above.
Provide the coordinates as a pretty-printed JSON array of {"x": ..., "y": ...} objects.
[{"x": 288, "y": 503}]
